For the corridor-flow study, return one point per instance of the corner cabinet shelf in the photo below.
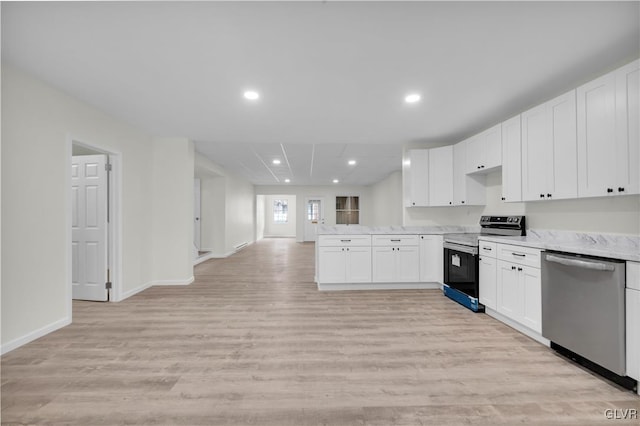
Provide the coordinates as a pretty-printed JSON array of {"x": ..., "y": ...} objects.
[{"x": 347, "y": 210}]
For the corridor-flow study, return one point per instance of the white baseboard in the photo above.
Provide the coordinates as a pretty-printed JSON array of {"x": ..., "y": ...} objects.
[
  {"x": 174, "y": 282},
  {"x": 517, "y": 326},
  {"x": 30, "y": 337},
  {"x": 204, "y": 258},
  {"x": 377, "y": 286},
  {"x": 133, "y": 291}
]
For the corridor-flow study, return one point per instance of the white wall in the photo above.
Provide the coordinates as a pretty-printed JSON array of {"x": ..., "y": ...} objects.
[
  {"x": 329, "y": 193},
  {"x": 228, "y": 208},
  {"x": 260, "y": 217},
  {"x": 606, "y": 215},
  {"x": 386, "y": 201},
  {"x": 171, "y": 213},
  {"x": 38, "y": 123},
  {"x": 240, "y": 211},
  {"x": 272, "y": 229}
]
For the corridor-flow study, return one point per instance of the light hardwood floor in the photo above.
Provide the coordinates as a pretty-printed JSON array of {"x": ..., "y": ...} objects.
[{"x": 253, "y": 342}]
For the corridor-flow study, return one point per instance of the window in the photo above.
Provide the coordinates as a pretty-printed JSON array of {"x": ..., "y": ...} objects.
[
  {"x": 280, "y": 211},
  {"x": 313, "y": 211}
]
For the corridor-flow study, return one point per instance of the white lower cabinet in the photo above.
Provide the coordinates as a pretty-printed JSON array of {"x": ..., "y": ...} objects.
[
  {"x": 396, "y": 264},
  {"x": 519, "y": 293},
  {"x": 345, "y": 264},
  {"x": 633, "y": 320},
  {"x": 431, "y": 259},
  {"x": 487, "y": 274}
]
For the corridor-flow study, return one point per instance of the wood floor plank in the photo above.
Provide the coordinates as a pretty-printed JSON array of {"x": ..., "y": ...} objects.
[{"x": 252, "y": 341}]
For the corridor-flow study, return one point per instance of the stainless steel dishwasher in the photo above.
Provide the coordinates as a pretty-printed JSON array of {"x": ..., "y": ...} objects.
[{"x": 583, "y": 311}]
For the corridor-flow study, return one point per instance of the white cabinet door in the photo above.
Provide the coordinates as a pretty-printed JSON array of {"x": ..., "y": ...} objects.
[
  {"x": 531, "y": 285},
  {"x": 487, "y": 281},
  {"x": 492, "y": 147},
  {"x": 358, "y": 265},
  {"x": 419, "y": 177},
  {"x": 475, "y": 153},
  {"x": 332, "y": 265},
  {"x": 628, "y": 128},
  {"x": 408, "y": 264},
  {"x": 511, "y": 160},
  {"x": 596, "y": 133},
  {"x": 384, "y": 264},
  {"x": 441, "y": 176},
  {"x": 509, "y": 295},
  {"x": 633, "y": 333},
  {"x": 562, "y": 178},
  {"x": 431, "y": 259},
  {"x": 467, "y": 189},
  {"x": 535, "y": 153}
]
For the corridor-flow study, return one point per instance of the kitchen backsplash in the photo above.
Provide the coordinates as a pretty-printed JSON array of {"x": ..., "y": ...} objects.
[{"x": 620, "y": 215}]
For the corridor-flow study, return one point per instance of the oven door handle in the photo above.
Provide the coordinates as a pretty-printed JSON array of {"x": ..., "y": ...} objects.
[
  {"x": 577, "y": 263},
  {"x": 461, "y": 248}
]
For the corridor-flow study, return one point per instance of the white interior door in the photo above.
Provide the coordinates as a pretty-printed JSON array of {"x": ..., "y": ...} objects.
[
  {"x": 196, "y": 213},
  {"x": 313, "y": 216},
  {"x": 89, "y": 227}
]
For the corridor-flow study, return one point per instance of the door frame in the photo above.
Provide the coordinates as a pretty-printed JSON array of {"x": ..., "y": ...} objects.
[
  {"x": 322, "y": 207},
  {"x": 114, "y": 233}
]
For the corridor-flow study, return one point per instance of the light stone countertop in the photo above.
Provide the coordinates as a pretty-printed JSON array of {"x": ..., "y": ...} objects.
[
  {"x": 613, "y": 246},
  {"x": 393, "y": 230}
]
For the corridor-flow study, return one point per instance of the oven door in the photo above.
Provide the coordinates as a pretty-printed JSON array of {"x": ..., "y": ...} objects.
[{"x": 461, "y": 268}]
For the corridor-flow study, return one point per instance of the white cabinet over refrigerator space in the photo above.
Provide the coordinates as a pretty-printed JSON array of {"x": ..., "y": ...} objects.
[{"x": 484, "y": 150}]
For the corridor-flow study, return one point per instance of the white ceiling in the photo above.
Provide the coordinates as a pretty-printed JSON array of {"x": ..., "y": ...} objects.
[{"x": 332, "y": 75}]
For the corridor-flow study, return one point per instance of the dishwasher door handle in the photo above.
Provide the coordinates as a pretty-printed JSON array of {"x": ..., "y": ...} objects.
[{"x": 598, "y": 266}]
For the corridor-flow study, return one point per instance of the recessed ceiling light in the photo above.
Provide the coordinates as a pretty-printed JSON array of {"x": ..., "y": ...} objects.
[
  {"x": 336, "y": 181},
  {"x": 276, "y": 161},
  {"x": 412, "y": 98},
  {"x": 287, "y": 180},
  {"x": 251, "y": 95},
  {"x": 352, "y": 162}
]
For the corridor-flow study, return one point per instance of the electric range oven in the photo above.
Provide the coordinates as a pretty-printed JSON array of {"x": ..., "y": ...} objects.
[{"x": 461, "y": 270}]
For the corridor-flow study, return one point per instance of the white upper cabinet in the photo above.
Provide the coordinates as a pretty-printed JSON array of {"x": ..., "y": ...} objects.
[
  {"x": 468, "y": 190},
  {"x": 511, "y": 160},
  {"x": 628, "y": 127},
  {"x": 441, "y": 176},
  {"x": 607, "y": 116},
  {"x": 549, "y": 152},
  {"x": 418, "y": 171},
  {"x": 484, "y": 150}
]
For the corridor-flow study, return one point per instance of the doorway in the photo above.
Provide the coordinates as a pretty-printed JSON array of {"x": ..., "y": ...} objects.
[
  {"x": 93, "y": 223},
  {"x": 313, "y": 216}
]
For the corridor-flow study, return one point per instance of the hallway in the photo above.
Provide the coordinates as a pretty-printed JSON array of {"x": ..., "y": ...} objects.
[{"x": 252, "y": 341}]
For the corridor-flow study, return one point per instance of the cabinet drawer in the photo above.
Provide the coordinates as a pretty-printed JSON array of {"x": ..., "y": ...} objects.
[
  {"x": 521, "y": 255},
  {"x": 344, "y": 240},
  {"x": 488, "y": 249},
  {"x": 633, "y": 275},
  {"x": 395, "y": 240}
]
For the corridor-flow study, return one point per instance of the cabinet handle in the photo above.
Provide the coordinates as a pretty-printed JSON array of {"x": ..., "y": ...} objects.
[
  {"x": 609, "y": 190},
  {"x": 541, "y": 195},
  {"x": 450, "y": 202},
  {"x": 513, "y": 268},
  {"x": 413, "y": 204},
  {"x": 503, "y": 198},
  {"x": 519, "y": 269},
  {"x": 548, "y": 195},
  {"x": 478, "y": 167},
  {"x": 620, "y": 189},
  {"x": 486, "y": 248},
  {"x": 519, "y": 254},
  {"x": 462, "y": 201},
  {"x": 345, "y": 241},
  {"x": 347, "y": 248},
  {"x": 393, "y": 249},
  {"x": 395, "y": 241},
  {"x": 482, "y": 167}
]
